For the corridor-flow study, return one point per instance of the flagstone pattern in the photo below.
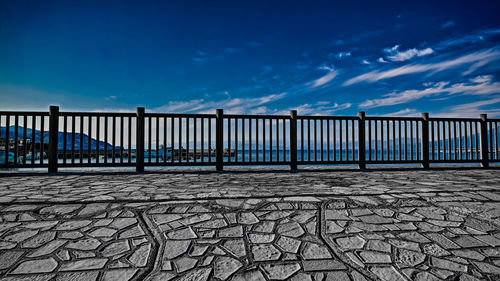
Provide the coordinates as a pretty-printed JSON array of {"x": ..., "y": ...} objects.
[{"x": 393, "y": 225}]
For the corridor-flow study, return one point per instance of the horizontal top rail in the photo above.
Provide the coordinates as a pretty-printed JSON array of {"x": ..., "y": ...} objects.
[
  {"x": 98, "y": 114},
  {"x": 393, "y": 118},
  {"x": 42, "y": 113},
  {"x": 241, "y": 116},
  {"x": 454, "y": 119},
  {"x": 328, "y": 117},
  {"x": 179, "y": 115}
]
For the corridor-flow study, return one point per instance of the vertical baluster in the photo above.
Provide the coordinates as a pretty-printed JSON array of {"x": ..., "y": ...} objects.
[
  {"x": 460, "y": 140},
  {"x": 270, "y": 140},
  {"x": 277, "y": 140},
  {"x": 81, "y": 139},
  {"x": 347, "y": 140},
  {"x": 179, "y": 145},
  {"x": 376, "y": 139},
  {"x": 236, "y": 140},
  {"x": 315, "y": 121},
  {"x": 229, "y": 139},
  {"x": 25, "y": 131},
  {"x": 382, "y": 140},
  {"x": 321, "y": 139},
  {"x": 243, "y": 142},
  {"x": 264, "y": 139},
  {"x": 449, "y": 141},
  {"x": 341, "y": 152},
  {"x": 157, "y": 140},
  {"x": 411, "y": 139},
  {"x": 417, "y": 139},
  {"x": 466, "y": 139},
  {"x": 353, "y": 140},
  {"x": 98, "y": 119},
  {"x": 455, "y": 140},
  {"x": 334, "y": 140},
  {"x": 432, "y": 123},
  {"x": 165, "y": 138},
  {"x": 393, "y": 140},
  {"x": 113, "y": 136},
  {"x": 89, "y": 139},
  {"x": 106, "y": 139},
  {"x": 400, "y": 127},
  {"x": 439, "y": 138},
  {"x": 309, "y": 140},
  {"x": 491, "y": 140},
  {"x": 369, "y": 140},
  {"x": 16, "y": 137},
  {"x": 257, "y": 139},
  {"x": 172, "y": 139},
  {"x": 202, "y": 139},
  {"x": 195, "y": 133},
  {"x": 328, "y": 139},
  {"x": 250, "y": 140},
  {"x": 42, "y": 138},
  {"x": 388, "y": 139},
  {"x": 284, "y": 140},
  {"x": 129, "y": 143},
  {"x": 7, "y": 139},
  {"x": 302, "y": 139},
  {"x": 73, "y": 132},
  {"x": 496, "y": 140},
  {"x": 477, "y": 140},
  {"x": 187, "y": 139}
]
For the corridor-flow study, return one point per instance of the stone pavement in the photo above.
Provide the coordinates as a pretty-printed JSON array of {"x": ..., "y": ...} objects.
[{"x": 405, "y": 224}]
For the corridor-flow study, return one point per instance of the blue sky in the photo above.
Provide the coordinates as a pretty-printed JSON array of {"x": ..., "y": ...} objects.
[{"x": 321, "y": 58}]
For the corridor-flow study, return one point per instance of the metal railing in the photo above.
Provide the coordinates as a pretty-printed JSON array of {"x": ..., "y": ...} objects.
[{"x": 92, "y": 139}]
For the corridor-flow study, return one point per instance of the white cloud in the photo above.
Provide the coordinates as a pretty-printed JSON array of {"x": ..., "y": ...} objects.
[
  {"x": 473, "y": 109},
  {"x": 409, "y": 54},
  {"x": 319, "y": 108},
  {"x": 329, "y": 76},
  {"x": 365, "y": 62},
  {"x": 391, "y": 49},
  {"x": 484, "y": 57},
  {"x": 480, "y": 85},
  {"x": 403, "y": 113},
  {"x": 382, "y": 60},
  {"x": 343, "y": 54},
  {"x": 236, "y": 105}
]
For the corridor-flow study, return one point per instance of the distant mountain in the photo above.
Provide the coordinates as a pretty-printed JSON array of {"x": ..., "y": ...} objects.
[{"x": 60, "y": 146}]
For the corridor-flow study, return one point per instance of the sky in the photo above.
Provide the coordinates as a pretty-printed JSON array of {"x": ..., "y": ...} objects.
[{"x": 396, "y": 58}]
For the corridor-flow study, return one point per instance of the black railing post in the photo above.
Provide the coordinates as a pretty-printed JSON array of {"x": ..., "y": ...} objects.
[
  {"x": 361, "y": 140},
  {"x": 293, "y": 139},
  {"x": 139, "y": 148},
  {"x": 425, "y": 140},
  {"x": 219, "y": 139},
  {"x": 53, "y": 137},
  {"x": 484, "y": 141}
]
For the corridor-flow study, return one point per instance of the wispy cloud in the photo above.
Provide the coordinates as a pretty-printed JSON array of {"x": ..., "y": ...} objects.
[
  {"x": 482, "y": 57},
  {"x": 473, "y": 109},
  {"x": 365, "y": 62},
  {"x": 235, "y": 105},
  {"x": 395, "y": 55},
  {"x": 448, "y": 24},
  {"x": 481, "y": 85},
  {"x": 329, "y": 76},
  {"x": 403, "y": 113}
]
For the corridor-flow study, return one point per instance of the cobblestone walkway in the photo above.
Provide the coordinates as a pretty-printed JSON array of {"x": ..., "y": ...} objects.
[{"x": 259, "y": 225}]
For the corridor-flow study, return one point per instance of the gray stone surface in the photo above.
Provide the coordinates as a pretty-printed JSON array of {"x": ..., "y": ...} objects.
[{"x": 310, "y": 225}]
